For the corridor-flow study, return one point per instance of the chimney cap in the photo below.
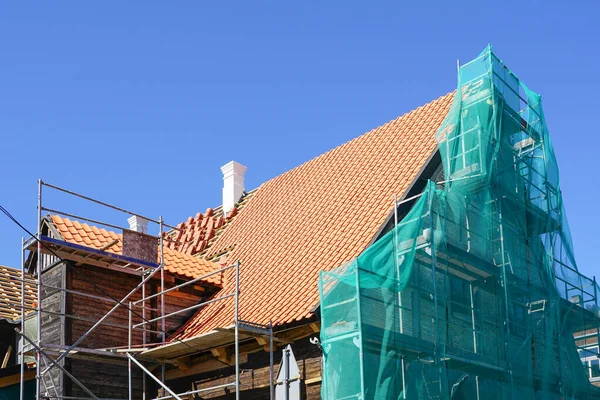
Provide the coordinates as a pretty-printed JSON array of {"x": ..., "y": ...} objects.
[
  {"x": 138, "y": 224},
  {"x": 233, "y": 167}
]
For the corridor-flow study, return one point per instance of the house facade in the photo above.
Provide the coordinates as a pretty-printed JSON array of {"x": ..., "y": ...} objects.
[{"x": 241, "y": 282}]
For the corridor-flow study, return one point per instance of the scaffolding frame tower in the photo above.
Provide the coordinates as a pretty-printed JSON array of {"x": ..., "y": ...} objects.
[
  {"x": 52, "y": 251},
  {"x": 475, "y": 290}
]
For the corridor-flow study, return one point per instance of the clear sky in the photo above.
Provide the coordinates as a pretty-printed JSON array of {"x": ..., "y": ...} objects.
[{"x": 139, "y": 103}]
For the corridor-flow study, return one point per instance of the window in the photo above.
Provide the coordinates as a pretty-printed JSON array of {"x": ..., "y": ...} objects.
[
  {"x": 460, "y": 298},
  {"x": 595, "y": 368},
  {"x": 460, "y": 291},
  {"x": 590, "y": 360},
  {"x": 588, "y": 352}
]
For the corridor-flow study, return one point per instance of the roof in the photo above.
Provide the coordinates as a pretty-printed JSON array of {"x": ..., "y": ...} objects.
[
  {"x": 316, "y": 217},
  {"x": 198, "y": 233},
  {"x": 10, "y": 293},
  {"x": 178, "y": 263}
]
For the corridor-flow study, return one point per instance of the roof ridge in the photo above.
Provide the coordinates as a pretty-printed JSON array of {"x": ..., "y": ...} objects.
[
  {"x": 395, "y": 120},
  {"x": 219, "y": 208}
]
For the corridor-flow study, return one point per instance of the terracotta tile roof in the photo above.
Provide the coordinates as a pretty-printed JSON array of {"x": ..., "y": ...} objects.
[
  {"x": 198, "y": 233},
  {"x": 88, "y": 235},
  {"x": 318, "y": 216},
  {"x": 191, "y": 267},
  {"x": 177, "y": 263},
  {"x": 10, "y": 293}
]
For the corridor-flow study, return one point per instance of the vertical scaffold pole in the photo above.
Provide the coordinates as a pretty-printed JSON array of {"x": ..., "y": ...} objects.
[
  {"x": 38, "y": 364},
  {"x": 271, "y": 369},
  {"x": 236, "y": 323},
  {"x": 596, "y": 304},
  {"x": 437, "y": 357},
  {"x": 22, "y": 344},
  {"x": 474, "y": 327},
  {"x": 162, "y": 292},
  {"x": 399, "y": 294},
  {"x": 143, "y": 329},
  {"x": 360, "y": 327},
  {"x": 129, "y": 378}
]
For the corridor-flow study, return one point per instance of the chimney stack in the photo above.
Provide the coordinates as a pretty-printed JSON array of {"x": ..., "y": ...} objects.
[
  {"x": 138, "y": 224},
  {"x": 233, "y": 184}
]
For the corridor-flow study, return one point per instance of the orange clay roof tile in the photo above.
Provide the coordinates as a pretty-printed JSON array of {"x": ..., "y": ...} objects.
[
  {"x": 196, "y": 234},
  {"x": 316, "y": 217},
  {"x": 177, "y": 263}
]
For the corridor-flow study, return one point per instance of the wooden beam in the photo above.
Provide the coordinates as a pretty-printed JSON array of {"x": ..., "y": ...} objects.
[
  {"x": 109, "y": 244},
  {"x": 207, "y": 365},
  {"x": 264, "y": 342},
  {"x": 223, "y": 354},
  {"x": 207, "y": 362},
  {"x": 183, "y": 364},
  {"x": 312, "y": 380},
  {"x": 7, "y": 357}
]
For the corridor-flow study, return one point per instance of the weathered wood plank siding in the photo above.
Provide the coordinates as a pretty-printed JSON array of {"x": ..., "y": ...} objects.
[
  {"x": 254, "y": 379},
  {"x": 106, "y": 379},
  {"x": 53, "y": 324}
]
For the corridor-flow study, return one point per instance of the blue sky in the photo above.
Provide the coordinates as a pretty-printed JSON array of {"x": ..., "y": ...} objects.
[{"x": 140, "y": 103}]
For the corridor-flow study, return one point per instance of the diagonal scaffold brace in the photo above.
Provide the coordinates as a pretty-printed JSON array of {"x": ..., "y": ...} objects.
[
  {"x": 101, "y": 320},
  {"x": 55, "y": 363}
]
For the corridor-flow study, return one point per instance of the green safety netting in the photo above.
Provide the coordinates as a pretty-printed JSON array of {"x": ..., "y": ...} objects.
[{"x": 475, "y": 293}]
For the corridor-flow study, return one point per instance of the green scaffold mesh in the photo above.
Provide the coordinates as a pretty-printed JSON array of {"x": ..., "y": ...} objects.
[{"x": 475, "y": 293}]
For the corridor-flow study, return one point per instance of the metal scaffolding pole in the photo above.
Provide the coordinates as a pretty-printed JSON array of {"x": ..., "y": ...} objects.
[
  {"x": 101, "y": 203},
  {"x": 38, "y": 375},
  {"x": 264, "y": 329},
  {"x": 22, "y": 344},
  {"x": 59, "y": 354},
  {"x": 237, "y": 341},
  {"x": 151, "y": 375},
  {"x": 143, "y": 335},
  {"x": 101, "y": 320},
  {"x": 55, "y": 363},
  {"x": 162, "y": 290},
  {"x": 129, "y": 383},
  {"x": 271, "y": 368}
]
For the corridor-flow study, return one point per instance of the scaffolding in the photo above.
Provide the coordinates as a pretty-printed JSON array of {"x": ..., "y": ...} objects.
[
  {"x": 142, "y": 255},
  {"x": 475, "y": 293}
]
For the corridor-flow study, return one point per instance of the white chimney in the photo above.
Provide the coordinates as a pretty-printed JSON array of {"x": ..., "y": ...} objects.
[
  {"x": 233, "y": 184},
  {"x": 138, "y": 224}
]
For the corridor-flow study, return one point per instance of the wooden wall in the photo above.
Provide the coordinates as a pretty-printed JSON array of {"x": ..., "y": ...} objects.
[
  {"x": 105, "y": 378},
  {"x": 255, "y": 375},
  {"x": 53, "y": 324}
]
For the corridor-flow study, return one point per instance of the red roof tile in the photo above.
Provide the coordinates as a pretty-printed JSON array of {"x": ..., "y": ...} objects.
[
  {"x": 196, "y": 234},
  {"x": 176, "y": 262},
  {"x": 316, "y": 217}
]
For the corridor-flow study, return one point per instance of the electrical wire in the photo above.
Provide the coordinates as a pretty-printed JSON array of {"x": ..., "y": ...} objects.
[{"x": 78, "y": 270}]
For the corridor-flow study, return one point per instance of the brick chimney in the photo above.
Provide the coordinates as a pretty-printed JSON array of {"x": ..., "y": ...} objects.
[{"x": 233, "y": 184}]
